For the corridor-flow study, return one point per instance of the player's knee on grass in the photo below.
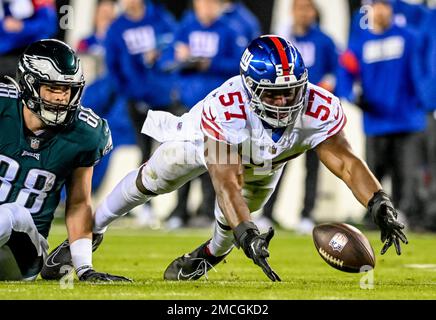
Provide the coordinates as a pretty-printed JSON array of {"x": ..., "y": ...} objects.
[
  {"x": 19, "y": 258},
  {"x": 21, "y": 245}
]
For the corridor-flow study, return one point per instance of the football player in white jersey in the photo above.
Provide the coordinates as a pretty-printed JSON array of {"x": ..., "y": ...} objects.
[{"x": 243, "y": 133}]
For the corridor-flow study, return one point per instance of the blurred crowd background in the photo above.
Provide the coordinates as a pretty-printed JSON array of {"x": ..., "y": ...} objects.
[{"x": 379, "y": 57}]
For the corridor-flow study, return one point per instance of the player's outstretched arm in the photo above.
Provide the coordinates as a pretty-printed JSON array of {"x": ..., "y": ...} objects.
[
  {"x": 226, "y": 172},
  {"x": 79, "y": 220},
  {"x": 337, "y": 155}
]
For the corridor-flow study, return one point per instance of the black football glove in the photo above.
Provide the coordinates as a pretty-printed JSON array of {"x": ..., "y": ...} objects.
[
  {"x": 255, "y": 246},
  {"x": 93, "y": 276},
  {"x": 385, "y": 217}
]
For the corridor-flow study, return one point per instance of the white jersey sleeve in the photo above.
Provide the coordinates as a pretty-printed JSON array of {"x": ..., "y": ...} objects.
[
  {"x": 323, "y": 116},
  {"x": 224, "y": 113}
]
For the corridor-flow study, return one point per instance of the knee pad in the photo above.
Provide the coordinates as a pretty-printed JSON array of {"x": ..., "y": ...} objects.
[{"x": 14, "y": 217}]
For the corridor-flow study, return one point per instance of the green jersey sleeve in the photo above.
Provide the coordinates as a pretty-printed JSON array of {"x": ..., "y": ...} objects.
[{"x": 96, "y": 144}]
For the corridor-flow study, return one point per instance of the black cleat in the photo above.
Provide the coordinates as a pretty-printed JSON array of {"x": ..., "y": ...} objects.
[
  {"x": 97, "y": 239},
  {"x": 58, "y": 263},
  {"x": 191, "y": 266}
]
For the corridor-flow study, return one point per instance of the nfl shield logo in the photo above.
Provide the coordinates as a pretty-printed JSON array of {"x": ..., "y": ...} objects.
[
  {"x": 34, "y": 143},
  {"x": 338, "y": 241}
]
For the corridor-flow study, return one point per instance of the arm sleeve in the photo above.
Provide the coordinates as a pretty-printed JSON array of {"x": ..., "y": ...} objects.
[
  {"x": 165, "y": 41},
  {"x": 228, "y": 63},
  {"x": 424, "y": 66},
  {"x": 347, "y": 70},
  {"x": 169, "y": 27},
  {"x": 42, "y": 24},
  {"x": 167, "y": 61},
  {"x": 333, "y": 57},
  {"x": 112, "y": 56}
]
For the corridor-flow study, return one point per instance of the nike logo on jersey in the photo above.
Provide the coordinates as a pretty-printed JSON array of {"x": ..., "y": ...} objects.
[{"x": 30, "y": 154}]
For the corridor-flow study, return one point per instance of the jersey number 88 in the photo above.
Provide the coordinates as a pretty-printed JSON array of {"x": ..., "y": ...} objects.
[{"x": 36, "y": 184}]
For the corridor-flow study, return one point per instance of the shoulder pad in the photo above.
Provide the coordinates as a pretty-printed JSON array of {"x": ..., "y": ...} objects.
[
  {"x": 323, "y": 112},
  {"x": 93, "y": 135}
]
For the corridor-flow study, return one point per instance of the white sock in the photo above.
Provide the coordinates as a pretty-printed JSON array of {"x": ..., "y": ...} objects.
[
  {"x": 222, "y": 241},
  {"x": 81, "y": 255},
  {"x": 123, "y": 198}
]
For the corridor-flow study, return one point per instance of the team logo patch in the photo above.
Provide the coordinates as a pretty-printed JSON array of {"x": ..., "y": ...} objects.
[
  {"x": 246, "y": 59},
  {"x": 109, "y": 146},
  {"x": 338, "y": 241},
  {"x": 39, "y": 65},
  {"x": 34, "y": 143},
  {"x": 30, "y": 154}
]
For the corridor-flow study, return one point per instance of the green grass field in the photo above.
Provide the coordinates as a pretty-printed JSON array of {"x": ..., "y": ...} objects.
[{"x": 143, "y": 256}]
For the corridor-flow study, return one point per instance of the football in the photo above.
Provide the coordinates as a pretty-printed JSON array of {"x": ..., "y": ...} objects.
[{"x": 344, "y": 247}]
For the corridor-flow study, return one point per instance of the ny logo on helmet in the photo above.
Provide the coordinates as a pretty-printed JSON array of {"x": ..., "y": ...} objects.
[{"x": 246, "y": 59}]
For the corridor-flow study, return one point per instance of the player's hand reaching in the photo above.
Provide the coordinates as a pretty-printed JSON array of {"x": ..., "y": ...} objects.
[
  {"x": 385, "y": 217},
  {"x": 91, "y": 275},
  {"x": 255, "y": 246}
]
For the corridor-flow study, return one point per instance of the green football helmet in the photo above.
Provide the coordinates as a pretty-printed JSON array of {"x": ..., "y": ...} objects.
[{"x": 50, "y": 62}]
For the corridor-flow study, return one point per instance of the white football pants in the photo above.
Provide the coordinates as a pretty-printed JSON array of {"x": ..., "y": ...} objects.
[{"x": 14, "y": 217}]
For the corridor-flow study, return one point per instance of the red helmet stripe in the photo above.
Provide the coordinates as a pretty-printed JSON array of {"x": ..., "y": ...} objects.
[{"x": 283, "y": 58}]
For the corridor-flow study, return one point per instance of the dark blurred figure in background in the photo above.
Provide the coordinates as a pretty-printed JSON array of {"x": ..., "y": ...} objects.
[
  {"x": 321, "y": 58},
  {"x": 21, "y": 23},
  {"x": 404, "y": 14},
  {"x": 206, "y": 51},
  {"x": 242, "y": 19},
  {"x": 105, "y": 13},
  {"x": 101, "y": 95},
  {"x": 381, "y": 56},
  {"x": 426, "y": 64},
  {"x": 134, "y": 43}
]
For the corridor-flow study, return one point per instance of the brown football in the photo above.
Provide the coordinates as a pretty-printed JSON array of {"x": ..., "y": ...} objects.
[{"x": 344, "y": 247}]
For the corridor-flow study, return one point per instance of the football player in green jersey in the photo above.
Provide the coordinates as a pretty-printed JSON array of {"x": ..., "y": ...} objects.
[{"x": 47, "y": 140}]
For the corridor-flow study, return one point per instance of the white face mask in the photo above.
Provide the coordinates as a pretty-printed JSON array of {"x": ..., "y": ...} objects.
[
  {"x": 53, "y": 118},
  {"x": 277, "y": 116}
]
